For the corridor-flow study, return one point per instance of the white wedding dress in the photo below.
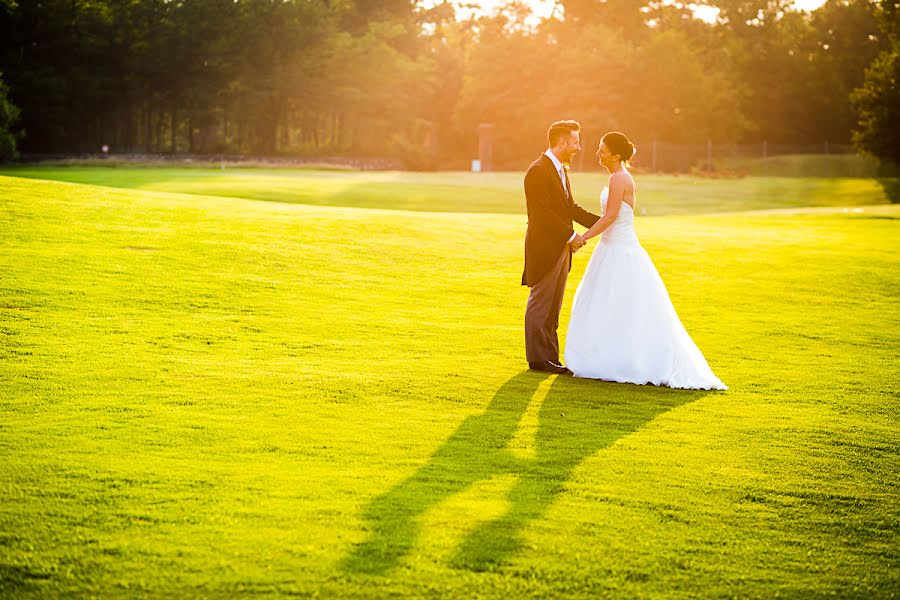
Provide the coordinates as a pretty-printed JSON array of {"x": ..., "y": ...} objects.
[{"x": 623, "y": 326}]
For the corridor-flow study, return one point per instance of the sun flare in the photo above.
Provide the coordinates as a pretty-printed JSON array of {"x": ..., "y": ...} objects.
[{"x": 542, "y": 9}]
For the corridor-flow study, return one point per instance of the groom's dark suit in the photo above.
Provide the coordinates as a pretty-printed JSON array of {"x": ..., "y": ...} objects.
[{"x": 548, "y": 259}]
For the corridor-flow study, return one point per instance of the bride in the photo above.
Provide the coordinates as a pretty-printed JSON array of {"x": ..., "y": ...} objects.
[{"x": 623, "y": 326}]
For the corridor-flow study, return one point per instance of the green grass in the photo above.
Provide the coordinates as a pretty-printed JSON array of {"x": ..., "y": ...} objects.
[
  {"x": 470, "y": 192},
  {"x": 201, "y": 396}
]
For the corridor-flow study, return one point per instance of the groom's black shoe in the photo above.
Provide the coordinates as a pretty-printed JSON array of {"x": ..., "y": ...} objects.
[
  {"x": 565, "y": 369},
  {"x": 548, "y": 366}
]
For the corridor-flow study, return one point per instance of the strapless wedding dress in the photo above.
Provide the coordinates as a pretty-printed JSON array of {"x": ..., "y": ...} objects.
[{"x": 623, "y": 326}]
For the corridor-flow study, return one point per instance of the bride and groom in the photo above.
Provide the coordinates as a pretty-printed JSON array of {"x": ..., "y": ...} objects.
[{"x": 623, "y": 326}]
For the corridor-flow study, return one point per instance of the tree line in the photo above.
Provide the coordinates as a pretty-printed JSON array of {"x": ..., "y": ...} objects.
[{"x": 393, "y": 78}]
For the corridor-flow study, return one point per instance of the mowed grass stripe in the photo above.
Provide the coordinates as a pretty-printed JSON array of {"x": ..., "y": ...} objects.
[
  {"x": 211, "y": 395},
  {"x": 658, "y": 195}
]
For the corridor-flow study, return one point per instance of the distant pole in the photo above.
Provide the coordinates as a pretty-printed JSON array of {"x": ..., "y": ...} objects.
[
  {"x": 486, "y": 146},
  {"x": 765, "y": 149},
  {"x": 709, "y": 165},
  {"x": 654, "y": 155}
]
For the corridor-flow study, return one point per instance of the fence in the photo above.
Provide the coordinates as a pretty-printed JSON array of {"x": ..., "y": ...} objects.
[
  {"x": 215, "y": 160},
  {"x": 824, "y": 159}
]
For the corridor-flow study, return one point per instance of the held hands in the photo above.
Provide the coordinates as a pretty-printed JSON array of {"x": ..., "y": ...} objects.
[{"x": 576, "y": 243}]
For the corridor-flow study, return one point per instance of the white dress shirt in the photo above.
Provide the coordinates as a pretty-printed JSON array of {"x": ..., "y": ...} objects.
[
  {"x": 562, "y": 175},
  {"x": 559, "y": 168}
]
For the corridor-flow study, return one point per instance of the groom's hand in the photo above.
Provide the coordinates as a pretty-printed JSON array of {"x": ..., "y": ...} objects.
[{"x": 576, "y": 243}]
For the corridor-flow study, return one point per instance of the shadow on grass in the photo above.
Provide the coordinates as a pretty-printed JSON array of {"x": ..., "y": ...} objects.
[{"x": 576, "y": 419}]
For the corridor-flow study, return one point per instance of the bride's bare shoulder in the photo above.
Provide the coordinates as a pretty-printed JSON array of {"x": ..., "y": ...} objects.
[{"x": 622, "y": 177}]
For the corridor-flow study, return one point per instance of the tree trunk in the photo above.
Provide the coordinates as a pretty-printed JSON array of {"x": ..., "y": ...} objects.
[
  {"x": 339, "y": 125},
  {"x": 148, "y": 135},
  {"x": 285, "y": 134},
  {"x": 225, "y": 129},
  {"x": 315, "y": 133},
  {"x": 128, "y": 115},
  {"x": 191, "y": 132},
  {"x": 157, "y": 140},
  {"x": 172, "y": 147}
]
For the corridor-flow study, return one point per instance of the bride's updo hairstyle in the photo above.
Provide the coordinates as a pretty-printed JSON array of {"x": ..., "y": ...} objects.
[{"x": 617, "y": 143}]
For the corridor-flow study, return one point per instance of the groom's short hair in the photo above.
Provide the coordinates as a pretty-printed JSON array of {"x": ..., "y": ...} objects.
[{"x": 560, "y": 129}]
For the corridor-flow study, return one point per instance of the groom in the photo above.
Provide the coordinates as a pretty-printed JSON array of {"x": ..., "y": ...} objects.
[{"x": 550, "y": 241}]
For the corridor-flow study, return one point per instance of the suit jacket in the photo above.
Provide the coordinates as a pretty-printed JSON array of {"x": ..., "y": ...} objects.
[{"x": 551, "y": 211}]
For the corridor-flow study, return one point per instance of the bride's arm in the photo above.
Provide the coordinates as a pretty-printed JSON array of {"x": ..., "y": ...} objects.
[{"x": 613, "y": 205}]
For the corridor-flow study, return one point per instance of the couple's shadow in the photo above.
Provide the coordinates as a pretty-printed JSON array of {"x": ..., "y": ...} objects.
[{"x": 576, "y": 418}]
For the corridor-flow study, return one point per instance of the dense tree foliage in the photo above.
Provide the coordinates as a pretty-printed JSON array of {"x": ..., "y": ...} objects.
[
  {"x": 394, "y": 78},
  {"x": 877, "y": 100},
  {"x": 9, "y": 114}
]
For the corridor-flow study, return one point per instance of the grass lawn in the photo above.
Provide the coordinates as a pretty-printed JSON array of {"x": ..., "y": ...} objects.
[
  {"x": 203, "y": 395},
  {"x": 658, "y": 195}
]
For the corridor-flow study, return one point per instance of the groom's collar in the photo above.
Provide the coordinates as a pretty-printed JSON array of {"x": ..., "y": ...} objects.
[{"x": 556, "y": 162}]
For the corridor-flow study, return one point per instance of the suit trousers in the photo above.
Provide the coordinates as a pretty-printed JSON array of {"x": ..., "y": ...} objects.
[{"x": 542, "y": 312}]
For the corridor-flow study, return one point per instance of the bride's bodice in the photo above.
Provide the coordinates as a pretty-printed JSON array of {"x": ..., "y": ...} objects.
[{"x": 622, "y": 229}]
